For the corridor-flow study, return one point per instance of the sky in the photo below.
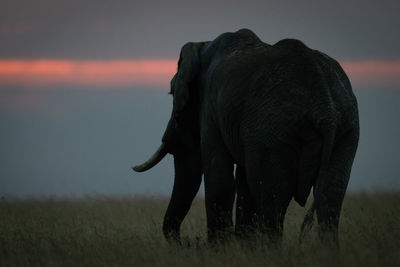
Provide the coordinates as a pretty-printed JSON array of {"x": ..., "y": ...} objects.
[{"x": 84, "y": 84}]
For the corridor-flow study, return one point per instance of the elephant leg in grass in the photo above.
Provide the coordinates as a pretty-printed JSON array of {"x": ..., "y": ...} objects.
[
  {"x": 219, "y": 190},
  {"x": 269, "y": 173},
  {"x": 336, "y": 180},
  {"x": 245, "y": 221},
  {"x": 187, "y": 182}
]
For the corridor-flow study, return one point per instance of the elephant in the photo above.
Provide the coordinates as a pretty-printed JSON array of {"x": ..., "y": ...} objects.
[{"x": 285, "y": 115}]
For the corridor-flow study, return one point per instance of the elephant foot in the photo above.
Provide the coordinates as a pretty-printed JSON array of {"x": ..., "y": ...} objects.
[
  {"x": 172, "y": 236},
  {"x": 217, "y": 237},
  {"x": 329, "y": 238}
]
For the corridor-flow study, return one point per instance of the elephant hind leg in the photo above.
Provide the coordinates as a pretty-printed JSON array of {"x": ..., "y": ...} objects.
[
  {"x": 335, "y": 185},
  {"x": 270, "y": 176},
  {"x": 245, "y": 210}
]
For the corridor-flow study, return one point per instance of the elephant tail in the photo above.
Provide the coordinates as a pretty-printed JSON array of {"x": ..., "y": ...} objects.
[
  {"x": 307, "y": 223},
  {"x": 329, "y": 131}
]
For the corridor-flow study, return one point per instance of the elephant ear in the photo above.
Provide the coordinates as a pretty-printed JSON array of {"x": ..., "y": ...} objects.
[{"x": 188, "y": 69}]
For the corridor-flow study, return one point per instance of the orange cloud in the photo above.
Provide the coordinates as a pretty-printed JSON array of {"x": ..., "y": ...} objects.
[
  {"x": 87, "y": 73},
  {"x": 157, "y": 73}
]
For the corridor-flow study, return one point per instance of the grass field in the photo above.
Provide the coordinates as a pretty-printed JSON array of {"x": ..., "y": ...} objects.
[{"x": 102, "y": 231}]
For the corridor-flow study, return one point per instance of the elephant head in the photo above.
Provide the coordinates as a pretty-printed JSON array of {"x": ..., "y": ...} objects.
[{"x": 181, "y": 139}]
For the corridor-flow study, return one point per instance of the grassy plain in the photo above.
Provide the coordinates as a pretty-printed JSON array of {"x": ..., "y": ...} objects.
[{"x": 103, "y": 231}]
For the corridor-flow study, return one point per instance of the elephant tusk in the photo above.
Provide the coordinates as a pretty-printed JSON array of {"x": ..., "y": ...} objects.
[{"x": 153, "y": 160}]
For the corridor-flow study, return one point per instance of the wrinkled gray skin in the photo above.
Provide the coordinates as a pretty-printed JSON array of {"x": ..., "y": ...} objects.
[{"x": 284, "y": 114}]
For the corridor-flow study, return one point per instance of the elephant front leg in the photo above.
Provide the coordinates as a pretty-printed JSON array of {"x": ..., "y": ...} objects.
[
  {"x": 219, "y": 194},
  {"x": 187, "y": 182}
]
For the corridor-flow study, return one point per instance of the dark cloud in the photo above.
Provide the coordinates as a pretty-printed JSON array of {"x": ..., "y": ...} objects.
[{"x": 142, "y": 29}]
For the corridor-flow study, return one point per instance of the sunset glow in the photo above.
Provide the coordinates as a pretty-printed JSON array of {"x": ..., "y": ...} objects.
[
  {"x": 373, "y": 73},
  {"x": 156, "y": 73},
  {"x": 115, "y": 73}
]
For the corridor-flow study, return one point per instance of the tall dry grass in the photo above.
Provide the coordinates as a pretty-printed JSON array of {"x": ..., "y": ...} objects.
[{"x": 104, "y": 231}]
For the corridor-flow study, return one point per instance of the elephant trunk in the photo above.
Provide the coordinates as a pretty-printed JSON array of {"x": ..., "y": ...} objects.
[{"x": 153, "y": 160}]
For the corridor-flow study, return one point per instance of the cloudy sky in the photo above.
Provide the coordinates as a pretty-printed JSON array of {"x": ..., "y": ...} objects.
[{"x": 83, "y": 84}]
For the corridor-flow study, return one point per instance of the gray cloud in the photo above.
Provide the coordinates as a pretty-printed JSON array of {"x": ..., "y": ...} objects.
[{"x": 141, "y": 29}]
